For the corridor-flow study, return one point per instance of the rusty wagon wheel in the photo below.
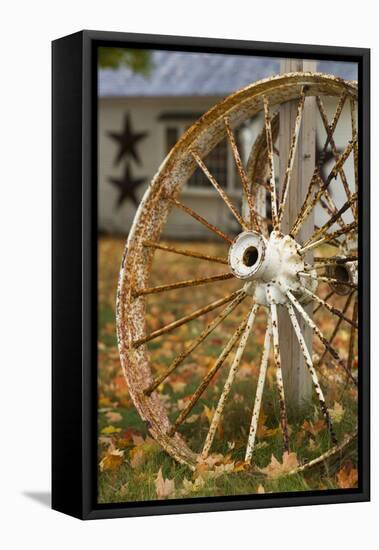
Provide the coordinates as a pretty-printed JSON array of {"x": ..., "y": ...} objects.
[{"x": 270, "y": 269}]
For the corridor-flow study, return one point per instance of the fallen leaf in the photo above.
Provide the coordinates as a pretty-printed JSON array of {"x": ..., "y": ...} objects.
[
  {"x": 164, "y": 487},
  {"x": 277, "y": 469},
  {"x": 192, "y": 486},
  {"x": 314, "y": 427},
  {"x": 113, "y": 416},
  {"x": 112, "y": 460},
  {"x": 261, "y": 490},
  {"x": 347, "y": 477},
  {"x": 337, "y": 412},
  {"x": 110, "y": 430}
]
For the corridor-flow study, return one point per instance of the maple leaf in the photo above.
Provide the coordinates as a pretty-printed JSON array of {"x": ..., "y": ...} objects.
[
  {"x": 112, "y": 460},
  {"x": 347, "y": 477},
  {"x": 337, "y": 412},
  {"x": 277, "y": 469},
  {"x": 314, "y": 427},
  {"x": 164, "y": 487},
  {"x": 192, "y": 486}
]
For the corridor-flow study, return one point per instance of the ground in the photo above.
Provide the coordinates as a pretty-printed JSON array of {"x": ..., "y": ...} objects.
[{"x": 133, "y": 467}]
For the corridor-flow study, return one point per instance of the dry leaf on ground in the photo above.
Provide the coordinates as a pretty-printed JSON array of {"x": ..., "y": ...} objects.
[
  {"x": 164, "y": 487},
  {"x": 112, "y": 460},
  {"x": 278, "y": 469},
  {"x": 347, "y": 477}
]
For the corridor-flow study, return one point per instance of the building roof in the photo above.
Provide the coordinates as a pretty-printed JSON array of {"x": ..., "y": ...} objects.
[{"x": 200, "y": 74}]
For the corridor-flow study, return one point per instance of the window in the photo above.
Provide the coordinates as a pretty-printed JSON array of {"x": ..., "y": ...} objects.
[{"x": 219, "y": 161}]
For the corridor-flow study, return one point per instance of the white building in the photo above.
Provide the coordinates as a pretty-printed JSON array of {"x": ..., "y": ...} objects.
[{"x": 140, "y": 119}]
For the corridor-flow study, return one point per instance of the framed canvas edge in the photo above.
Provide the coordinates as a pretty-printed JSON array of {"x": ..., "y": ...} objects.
[{"x": 88, "y": 507}]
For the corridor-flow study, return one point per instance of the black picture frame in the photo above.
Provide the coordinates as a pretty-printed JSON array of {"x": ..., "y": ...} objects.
[{"x": 74, "y": 272}]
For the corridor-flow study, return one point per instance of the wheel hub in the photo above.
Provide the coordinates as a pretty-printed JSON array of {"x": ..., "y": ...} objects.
[{"x": 270, "y": 267}]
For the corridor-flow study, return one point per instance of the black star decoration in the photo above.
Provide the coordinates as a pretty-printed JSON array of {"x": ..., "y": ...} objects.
[
  {"x": 127, "y": 186},
  {"x": 127, "y": 140}
]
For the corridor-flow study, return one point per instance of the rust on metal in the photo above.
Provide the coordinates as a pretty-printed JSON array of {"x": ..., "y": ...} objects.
[
  {"x": 338, "y": 324},
  {"x": 329, "y": 307},
  {"x": 242, "y": 174},
  {"x": 334, "y": 150},
  {"x": 320, "y": 335},
  {"x": 322, "y": 230},
  {"x": 229, "y": 382},
  {"x": 211, "y": 373},
  {"x": 312, "y": 371},
  {"x": 200, "y": 219},
  {"x": 270, "y": 155},
  {"x": 152, "y": 214},
  {"x": 187, "y": 318},
  {"x": 329, "y": 280},
  {"x": 220, "y": 190},
  {"x": 279, "y": 378},
  {"x": 189, "y": 349},
  {"x": 291, "y": 155},
  {"x": 330, "y": 236},
  {"x": 185, "y": 252},
  {"x": 259, "y": 393},
  {"x": 183, "y": 284}
]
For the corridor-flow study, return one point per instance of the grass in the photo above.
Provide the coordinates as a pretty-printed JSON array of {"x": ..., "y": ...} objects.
[{"x": 131, "y": 475}]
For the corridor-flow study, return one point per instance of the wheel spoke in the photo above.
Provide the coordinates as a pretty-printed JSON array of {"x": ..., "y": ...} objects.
[
  {"x": 220, "y": 190},
  {"x": 187, "y": 318},
  {"x": 228, "y": 384},
  {"x": 341, "y": 160},
  {"x": 239, "y": 296},
  {"x": 207, "y": 379},
  {"x": 311, "y": 201},
  {"x": 329, "y": 295},
  {"x": 324, "y": 456},
  {"x": 329, "y": 237},
  {"x": 308, "y": 203},
  {"x": 270, "y": 156},
  {"x": 336, "y": 328},
  {"x": 332, "y": 126},
  {"x": 329, "y": 307},
  {"x": 323, "y": 229},
  {"x": 183, "y": 284},
  {"x": 291, "y": 155},
  {"x": 279, "y": 377},
  {"x": 334, "y": 150},
  {"x": 312, "y": 371},
  {"x": 243, "y": 177},
  {"x": 319, "y": 334},
  {"x": 185, "y": 252},
  {"x": 335, "y": 260},
  {"x": 329, "y": 280},
  {"x": 259, "y": 393},
  {"x": 200, "y": 219}
]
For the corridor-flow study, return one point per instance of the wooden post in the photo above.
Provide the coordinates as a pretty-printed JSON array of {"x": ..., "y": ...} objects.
[{"x": 297, "y": 380}]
